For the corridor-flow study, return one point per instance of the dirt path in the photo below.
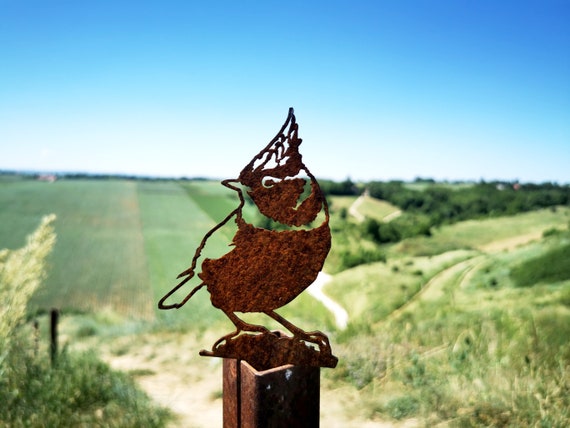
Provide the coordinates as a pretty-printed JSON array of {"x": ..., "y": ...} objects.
[
  {"x": 353, "y": 210},
  {"x": 392, "y": 216},
  {"x": 434, "y": 288},
  {"x": 169, "y": 369},
  {"x": 316, "y": 290}
]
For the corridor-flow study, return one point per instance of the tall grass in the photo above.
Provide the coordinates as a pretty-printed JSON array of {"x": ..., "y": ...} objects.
[
  {"x": 502, "y": 367},
  {"x": 21, "y": 273},
  {"x": 471, "y": 356},
  {"x": 80, "y": 390}
]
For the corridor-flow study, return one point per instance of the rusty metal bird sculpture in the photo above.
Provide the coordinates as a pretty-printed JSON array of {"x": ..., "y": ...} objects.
[{"x": 267, "y": 269}]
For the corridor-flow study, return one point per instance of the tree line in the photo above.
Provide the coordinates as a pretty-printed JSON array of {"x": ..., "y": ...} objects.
[{"x": 429, "y": 204}]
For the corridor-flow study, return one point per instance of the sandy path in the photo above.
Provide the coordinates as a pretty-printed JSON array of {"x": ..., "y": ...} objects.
[
  {"x": 353, "y": 210},
  {"x": 316, "y": 290},
  {"x": 434, "y": 288},
  {"x": 392, "y": 216},
  {"x": 175, "y": 376},
  {"x": 169, "y": 369}
]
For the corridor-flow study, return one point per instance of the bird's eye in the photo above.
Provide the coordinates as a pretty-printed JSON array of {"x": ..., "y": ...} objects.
[{"x": 268, "y": 182}]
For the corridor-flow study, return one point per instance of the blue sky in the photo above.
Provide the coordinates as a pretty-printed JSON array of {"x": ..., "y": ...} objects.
[{"x": 452, "y": 90}]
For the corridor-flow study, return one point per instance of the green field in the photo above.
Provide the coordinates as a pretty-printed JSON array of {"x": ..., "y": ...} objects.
[
  {"x": 469, "y": 326},
  {"x": 121, "y": 244},
  {"x": 99, "y": 259}
]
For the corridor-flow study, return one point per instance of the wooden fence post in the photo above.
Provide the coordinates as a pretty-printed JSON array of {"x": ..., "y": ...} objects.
[{"x": 54, "y": 317}]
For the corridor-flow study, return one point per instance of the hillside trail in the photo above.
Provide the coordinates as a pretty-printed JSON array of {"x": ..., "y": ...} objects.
[
  {"x": 392, "y": 216},
  {"x": 316, "y": 290},
  {"x": 353, "y": 209}
]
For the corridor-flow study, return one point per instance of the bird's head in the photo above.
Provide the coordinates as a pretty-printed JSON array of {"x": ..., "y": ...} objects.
[{"x": 279, "y": 183}]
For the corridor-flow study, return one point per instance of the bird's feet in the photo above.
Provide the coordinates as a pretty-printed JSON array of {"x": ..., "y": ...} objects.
[
  {"x": 243, "y": 328},
  {"x": 225, "y": 338},
  {"x": 316, "y": 337}
]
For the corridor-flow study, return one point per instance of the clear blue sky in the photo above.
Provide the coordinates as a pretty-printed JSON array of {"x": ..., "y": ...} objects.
[{"x": 381, "y": 89}]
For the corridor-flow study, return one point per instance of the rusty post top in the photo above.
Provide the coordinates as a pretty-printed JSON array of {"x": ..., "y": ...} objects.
[{"x": 266, "y": 269}]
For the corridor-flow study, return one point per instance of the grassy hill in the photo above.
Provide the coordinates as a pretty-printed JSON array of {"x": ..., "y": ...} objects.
[
  {"x": 469, "y": 326},
  {"x": 367, "y": 207}
]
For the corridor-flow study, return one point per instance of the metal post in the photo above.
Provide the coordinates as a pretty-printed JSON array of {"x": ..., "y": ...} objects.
[{"x": 285, "y": 396}]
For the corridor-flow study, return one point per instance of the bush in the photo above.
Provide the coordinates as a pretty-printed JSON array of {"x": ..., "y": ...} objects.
[
  {"x": 80, "y": 391},
  {"x": 349, "y": 259},
  {"x": 402, "y": 407},
  {"x": 553, "y": 266}
]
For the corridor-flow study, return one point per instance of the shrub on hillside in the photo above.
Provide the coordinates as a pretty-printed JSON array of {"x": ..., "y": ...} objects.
[
  {"x": 350, "y": 259},
  {"x": 80, "y": 391},
  {"x": 552, "y": 266}
]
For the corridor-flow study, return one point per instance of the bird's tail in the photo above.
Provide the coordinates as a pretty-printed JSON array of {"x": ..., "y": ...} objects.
[{"x": 161, "y": 304}]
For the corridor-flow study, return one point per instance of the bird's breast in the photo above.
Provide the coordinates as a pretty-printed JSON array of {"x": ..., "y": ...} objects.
[{"x": 266, "y": 269}]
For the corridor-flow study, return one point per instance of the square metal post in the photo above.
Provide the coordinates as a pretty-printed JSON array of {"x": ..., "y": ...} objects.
[{"x": 286, "y": 396}]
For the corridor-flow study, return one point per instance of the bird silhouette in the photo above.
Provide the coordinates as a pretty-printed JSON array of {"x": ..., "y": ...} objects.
[{"x": 266, "y": 269}]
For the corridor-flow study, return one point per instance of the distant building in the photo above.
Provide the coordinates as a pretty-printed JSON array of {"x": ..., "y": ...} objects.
[{"x": 49, "y": 178}]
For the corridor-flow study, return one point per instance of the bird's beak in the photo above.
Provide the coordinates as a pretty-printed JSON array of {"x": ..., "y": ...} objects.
[{"x": 233, "y": 184}]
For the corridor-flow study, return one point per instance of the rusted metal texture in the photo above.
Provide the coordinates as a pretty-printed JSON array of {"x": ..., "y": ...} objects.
[
  {"x": 266, "y": 269},
  {"x": 286, "y": 396}
]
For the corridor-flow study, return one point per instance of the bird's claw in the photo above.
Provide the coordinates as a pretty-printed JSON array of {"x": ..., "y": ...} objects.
[
  {"x": 319, "y": 339},
  {"x": 225, "y": 338},
  {"x": 246, "y": 328}
]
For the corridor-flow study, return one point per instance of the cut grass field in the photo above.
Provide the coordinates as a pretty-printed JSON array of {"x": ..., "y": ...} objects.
[{"x": 99, "y": 258}]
